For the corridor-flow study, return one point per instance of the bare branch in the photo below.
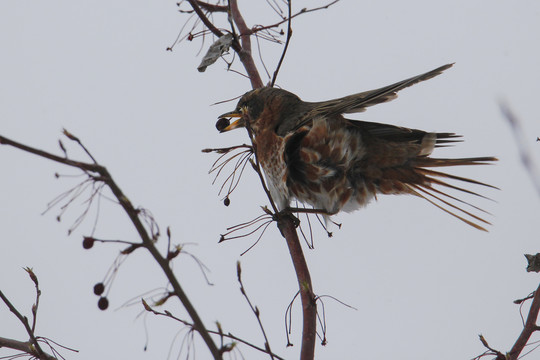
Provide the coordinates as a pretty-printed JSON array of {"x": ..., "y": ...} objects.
[
  {"x": 147, "y": 240},
  {"x": 78, "y": 141},
  {"x": 194, "y": 4},
  {"x": 301, "y": 12},
  {"x": 81, "y": 165},
  {"x": 220, "y": 333},
  {"x": 521, "y": 143},
  {"x": 31, "y": 347},
  {"x": 245, "y": 51},
  {"x": 289, "y": 35},
  {"x": 24, "y": 346},
  {"x": 254, "y": 309},
  {"x": 286, "y": 222},
  {"x": 529, "y": 328},
  {"x": 286, "y": 225},
  {"x": 490, "y": 351},
  {"x": 212, "y": 7}
]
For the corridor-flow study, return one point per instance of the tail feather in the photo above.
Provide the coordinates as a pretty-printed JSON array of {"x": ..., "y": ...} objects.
[
  {"x": 454, "y": 177},
  {"x": 447, "y": 139},
  {"x": 446, "y": 142},
  {"x": 468, "y": 222},
  {"x": 440, "y": 162},
  {"x": 445, "y": 184},
  {"x": 429, "y": 188},
  {"x": 461, "y": 200},
  {"x": 426, "y": 190}
]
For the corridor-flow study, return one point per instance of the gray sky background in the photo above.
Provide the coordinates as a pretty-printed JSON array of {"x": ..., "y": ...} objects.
[{"x": 425, "y": 285}]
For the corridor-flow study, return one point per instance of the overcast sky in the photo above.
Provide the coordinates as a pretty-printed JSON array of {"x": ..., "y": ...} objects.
[{"x": 423, "y": 283}]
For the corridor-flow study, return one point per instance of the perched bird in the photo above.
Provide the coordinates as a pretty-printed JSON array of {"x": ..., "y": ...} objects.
[{"x": 311, "y": 153}]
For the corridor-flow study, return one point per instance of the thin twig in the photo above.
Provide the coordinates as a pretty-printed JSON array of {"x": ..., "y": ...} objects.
[
  {"x": 490, "y": 351},
  {"x": 521, "y": 143},
  {"x": 287, "y": 41},
  {"x": 78, "y": 141},
  {"x": 214, "y": 332},
  {"x": 194, "y": 4},
  {"x": 254, "y": 309},
  {"x": 32, "y": 348},
  {"x": 35, "y": 307},
  {"x": 212, "y": 7},
  {"x": 301, "y": 12}
]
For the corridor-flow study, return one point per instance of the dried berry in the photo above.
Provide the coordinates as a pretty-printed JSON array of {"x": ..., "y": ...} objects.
[
  {"x": 103, "y": 303},
  {"x": 227, "y": 201},
  {"x": 99, "y": 288},
  {"x": 88, "y": 242},
  {"x": 222, "y": 123}
]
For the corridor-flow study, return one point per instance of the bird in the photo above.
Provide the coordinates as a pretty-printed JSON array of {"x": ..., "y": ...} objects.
[{"x": 311, "y": 153}]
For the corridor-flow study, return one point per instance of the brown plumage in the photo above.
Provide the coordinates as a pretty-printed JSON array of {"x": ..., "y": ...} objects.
[{"x": 311, "y": 153}]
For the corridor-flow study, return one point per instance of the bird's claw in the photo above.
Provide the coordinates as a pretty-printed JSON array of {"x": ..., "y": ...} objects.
[{"x": 287, "y": 214}]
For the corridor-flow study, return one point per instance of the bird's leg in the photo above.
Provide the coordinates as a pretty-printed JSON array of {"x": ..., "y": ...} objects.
[{"x": 287, "y": 213}]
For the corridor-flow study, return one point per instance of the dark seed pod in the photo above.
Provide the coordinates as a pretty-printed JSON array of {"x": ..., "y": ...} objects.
[
  {"x": 227, "y": 201},
  {"x": 88, "y": 242},
  {"x": 222, "y": 123},
  {"x": 103, "y": 303},
  {"x": 99, "y": 288}
]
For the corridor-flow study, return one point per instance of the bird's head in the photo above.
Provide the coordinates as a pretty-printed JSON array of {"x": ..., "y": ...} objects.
[{"x": 264, "y": 108}]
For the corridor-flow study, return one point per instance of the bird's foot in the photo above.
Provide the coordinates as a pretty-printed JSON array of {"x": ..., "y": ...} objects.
[
  {"x": 287, "y": 214},
  {"x": 289, "y": 211}
]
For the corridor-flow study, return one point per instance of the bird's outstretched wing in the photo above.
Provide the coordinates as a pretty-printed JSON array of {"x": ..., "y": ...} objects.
[{"x": 360, "y": 101}]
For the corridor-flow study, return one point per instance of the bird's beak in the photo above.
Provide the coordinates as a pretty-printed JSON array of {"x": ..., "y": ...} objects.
[{"x": 224, "y": 124}]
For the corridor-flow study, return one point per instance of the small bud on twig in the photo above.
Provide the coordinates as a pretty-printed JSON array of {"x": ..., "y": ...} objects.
[
  {"x": 32, "y": 275},
  {"x": 70, "y": 135},
  {"x": 146, "y": 306}
]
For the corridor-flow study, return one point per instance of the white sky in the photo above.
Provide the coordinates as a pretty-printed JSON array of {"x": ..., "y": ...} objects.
[{"x": 425, "y": 285}]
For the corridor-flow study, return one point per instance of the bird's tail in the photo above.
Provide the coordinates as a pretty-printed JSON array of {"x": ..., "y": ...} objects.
[{"x": 434, "y": 184}]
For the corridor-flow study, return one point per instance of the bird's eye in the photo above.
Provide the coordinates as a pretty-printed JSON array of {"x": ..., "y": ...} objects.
[{"x": 244, "y": 109}]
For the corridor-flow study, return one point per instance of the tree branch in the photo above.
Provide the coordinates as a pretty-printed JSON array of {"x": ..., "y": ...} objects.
[
  {"x": 245, "y": 51},
  {"x": 287, "y": 41},
  {"x": 286, "y": 225},
  {"x": 31, "y": 347},
  {"x": 301, "y": 12},
  {"x": 147, "y": 241},
  {"x": 528, "y": 329},
  {"x": 220, "y": 333},
  {"x": 521, "y": 141},
  {"x": 24, "y": 346},
  {"x": 194, "y": 4},
  {"x": 286, "y": 222},
  {"x": 212, "y": 7},
  {"x": 254, "y": 309}
]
